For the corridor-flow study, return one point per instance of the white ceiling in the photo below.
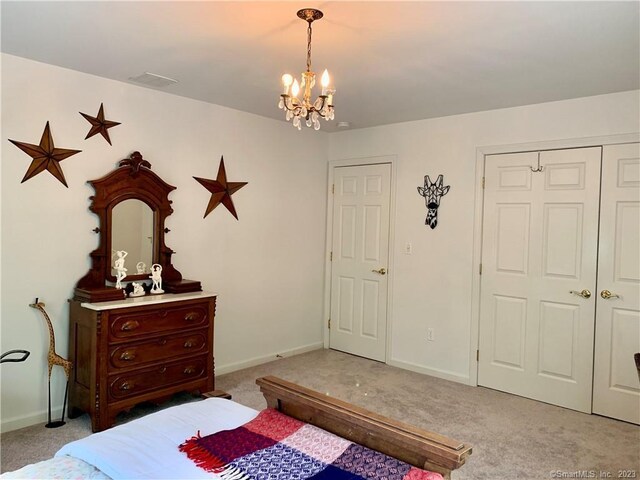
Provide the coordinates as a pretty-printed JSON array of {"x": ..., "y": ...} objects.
[{"x": 390, "y": 61}]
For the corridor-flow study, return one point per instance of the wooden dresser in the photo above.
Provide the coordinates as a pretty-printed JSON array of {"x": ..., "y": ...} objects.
[{"x": 139, "y": 349}]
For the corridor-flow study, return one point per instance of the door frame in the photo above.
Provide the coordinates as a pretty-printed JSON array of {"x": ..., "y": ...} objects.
[
  {"x": 358, "y": 162},
  {"x": 481, "y": 152}
]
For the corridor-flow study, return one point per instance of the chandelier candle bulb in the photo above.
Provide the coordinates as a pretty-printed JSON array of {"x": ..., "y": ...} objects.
[
  {"x": 295, "y": 89},
  {"x": 325, "y": 81},
  {"x": 287, "y": 80}
]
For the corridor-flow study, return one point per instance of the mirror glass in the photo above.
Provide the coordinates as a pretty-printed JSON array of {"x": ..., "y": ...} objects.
[{"x": 132, "y": 232}]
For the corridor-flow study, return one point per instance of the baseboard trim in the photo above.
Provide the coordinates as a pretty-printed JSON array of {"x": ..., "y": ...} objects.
[
  {"x": 252, "y": 362},
  {"x": 32, "y": 419},
  {"x": 434, "y": 372}
]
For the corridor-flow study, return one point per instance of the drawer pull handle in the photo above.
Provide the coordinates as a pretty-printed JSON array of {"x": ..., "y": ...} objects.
[
  {"x": 162, "y": 341},
  {"x": 163, "y": 369},
  {"x": 191, "y": 316},
  {"x": 130, "y": 325},
  {"x": 126, "y": 386},
  {"x": 127, "y": 356},
  {"x": 189, "y": 370},
  {"x": 189, "y": 344}
]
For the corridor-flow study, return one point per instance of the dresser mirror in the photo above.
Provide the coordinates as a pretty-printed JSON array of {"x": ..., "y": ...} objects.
[
  {"x": 132, "y": 231},
  {"x": 132, "y": 204}
]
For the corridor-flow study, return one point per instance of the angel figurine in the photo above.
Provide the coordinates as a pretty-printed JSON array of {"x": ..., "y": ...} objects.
[
  {"x": 156, "y": 277},
  {"x": 121, "y": 272}
]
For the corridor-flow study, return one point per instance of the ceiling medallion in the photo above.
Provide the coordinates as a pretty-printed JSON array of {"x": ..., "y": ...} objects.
[{"x": 299, "y": 109}]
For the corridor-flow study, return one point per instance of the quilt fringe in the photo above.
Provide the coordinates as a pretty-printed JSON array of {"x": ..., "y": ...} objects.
[
  {"x": 209, "y": 462},
  {"x": 234, "y": 473}
]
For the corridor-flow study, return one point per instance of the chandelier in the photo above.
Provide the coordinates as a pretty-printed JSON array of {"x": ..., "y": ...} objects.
[{"x": 304, "y": 108}]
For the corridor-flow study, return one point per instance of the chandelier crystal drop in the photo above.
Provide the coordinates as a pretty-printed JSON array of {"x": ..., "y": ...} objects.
[{"x": 305, "y": 110}]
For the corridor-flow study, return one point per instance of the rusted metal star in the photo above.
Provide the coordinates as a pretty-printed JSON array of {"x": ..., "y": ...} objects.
[
  {"x": 45, "y": 156},
  {"x": 99, "y": 124},
  {"x": 221, "y": 190}
]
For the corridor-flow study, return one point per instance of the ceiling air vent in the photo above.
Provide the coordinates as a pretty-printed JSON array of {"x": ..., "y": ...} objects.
[{"x": 153, "y": 80}]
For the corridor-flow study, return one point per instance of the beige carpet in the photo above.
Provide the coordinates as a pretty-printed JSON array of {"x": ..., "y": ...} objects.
[{"x": 512, "y": 437}]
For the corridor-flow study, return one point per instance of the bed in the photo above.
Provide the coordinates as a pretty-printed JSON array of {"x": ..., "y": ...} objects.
[{"x": 148, "y": 448}]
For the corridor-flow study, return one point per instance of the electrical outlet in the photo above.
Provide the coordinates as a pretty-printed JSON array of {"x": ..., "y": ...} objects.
[
  {"x": 430, "y": 334},
  {"x": 408, "y": 248}
]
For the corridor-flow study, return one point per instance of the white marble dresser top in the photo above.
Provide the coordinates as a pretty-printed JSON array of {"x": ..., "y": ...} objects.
[{"x": 147, "y": 300}]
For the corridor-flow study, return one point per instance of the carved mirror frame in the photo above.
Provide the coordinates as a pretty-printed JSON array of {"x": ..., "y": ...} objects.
[{"x": 133, "y": 179}]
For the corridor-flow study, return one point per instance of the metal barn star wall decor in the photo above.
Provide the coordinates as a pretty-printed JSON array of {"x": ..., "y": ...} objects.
[
  {"x": 45, "y": 156},
  {"x": 99, "y": 124},
  {"x": 221, "y": 190}
]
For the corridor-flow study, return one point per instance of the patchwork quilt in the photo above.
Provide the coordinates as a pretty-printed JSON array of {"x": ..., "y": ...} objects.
[{"x": 274, "y": 446}]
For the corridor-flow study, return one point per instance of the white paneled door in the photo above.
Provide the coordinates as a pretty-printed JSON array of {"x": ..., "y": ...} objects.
[
  {"x": 360, "y": 253},
  {"x": 616, "y": 390},
  {"x": 540, "y": 238}
]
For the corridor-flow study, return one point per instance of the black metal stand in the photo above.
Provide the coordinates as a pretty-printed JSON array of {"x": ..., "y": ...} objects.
[
  {"x": 60, "y": 422},
  {"x": 25, "y": 354}
]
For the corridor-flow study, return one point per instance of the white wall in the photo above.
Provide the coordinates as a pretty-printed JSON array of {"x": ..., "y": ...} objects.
[
  {"x": 267, "y": 267},
  {"x": 432, "y": 288}
]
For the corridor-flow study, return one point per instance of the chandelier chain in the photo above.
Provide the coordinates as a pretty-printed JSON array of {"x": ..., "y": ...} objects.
[{"x": 309, "y": 47}]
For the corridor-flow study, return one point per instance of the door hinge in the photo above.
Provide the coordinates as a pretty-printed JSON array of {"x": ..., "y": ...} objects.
[
  {"x": 480, "y": 269},
  {"x": 483, "y": 183},
  {"x": 329, "y": 324},
  {"x": 333, "y": 188},
  {"x": 331, "y": 256},
  {"x": 477, "y": 355}
]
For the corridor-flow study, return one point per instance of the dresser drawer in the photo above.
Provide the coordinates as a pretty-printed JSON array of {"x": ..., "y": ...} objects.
[
  {"x": 131, "y": 324},
  {"x": 130, "y": 384},
  {"x": 158, "y": 349}
]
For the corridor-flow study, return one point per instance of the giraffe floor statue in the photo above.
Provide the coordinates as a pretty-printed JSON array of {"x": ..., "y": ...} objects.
[{"x": 54, "y": 359}]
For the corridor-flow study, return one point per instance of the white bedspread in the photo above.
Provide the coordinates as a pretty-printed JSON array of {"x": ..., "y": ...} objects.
[
  {"x": 147, "y": 448},
  {"x": 57, "y": 468}
]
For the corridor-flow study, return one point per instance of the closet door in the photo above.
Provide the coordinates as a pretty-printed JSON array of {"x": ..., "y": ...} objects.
[
  {"x": 540, "y": 238},
  {"x": 616, "y": 391}
]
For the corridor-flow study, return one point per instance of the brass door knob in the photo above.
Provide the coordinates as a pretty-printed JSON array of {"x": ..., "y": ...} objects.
[
  {"x": 382, "y": 271},
  {"x": 606, "y": 294},
  {"x": 584, "y": 293}
]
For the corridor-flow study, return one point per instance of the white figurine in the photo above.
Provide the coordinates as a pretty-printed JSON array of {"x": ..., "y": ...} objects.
[
  {"x": 138, "y": 291},
  {"x": 156, "y": 276},
  {"x": 121, "y": 272},
  {"x": 141, "y": 267}
]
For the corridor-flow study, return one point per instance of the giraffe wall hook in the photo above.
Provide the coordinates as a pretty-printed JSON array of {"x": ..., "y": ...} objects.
[{"x": 54, "y": 359}]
